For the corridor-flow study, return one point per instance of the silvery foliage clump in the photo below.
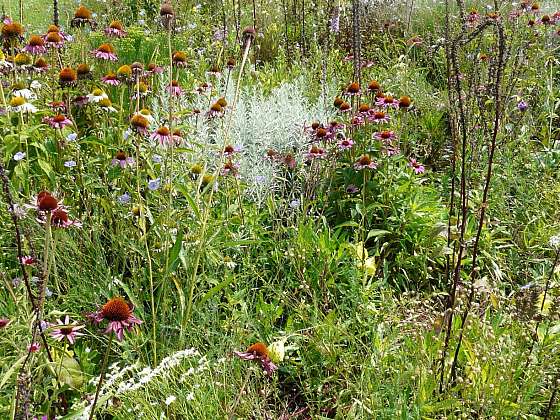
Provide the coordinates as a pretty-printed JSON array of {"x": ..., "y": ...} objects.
[{"x": 261, "y": 122}]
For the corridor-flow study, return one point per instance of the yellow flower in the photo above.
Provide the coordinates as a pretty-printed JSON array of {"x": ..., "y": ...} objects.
[{"x": 364, "y": 261}]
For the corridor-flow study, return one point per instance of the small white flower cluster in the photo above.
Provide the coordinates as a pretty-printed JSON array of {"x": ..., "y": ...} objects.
[
  {"x": 554, "y": 241},
  {"x": 117, "y": 382}
]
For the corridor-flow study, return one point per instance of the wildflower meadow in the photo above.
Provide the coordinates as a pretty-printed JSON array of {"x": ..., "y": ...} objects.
[{"x": 279, "y": 209}]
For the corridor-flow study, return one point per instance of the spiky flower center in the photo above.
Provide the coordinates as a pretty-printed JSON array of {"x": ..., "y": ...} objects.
[
  {"x": 36, "y": 41},
  {"x": 83, "y": 69},
  {"x": 106, "y": 48},
  {"x": 116, "y": 309},
  {"x": 105, "y": 103},
  {"x": 120, "y": 155},
  {"x": 67, "y": 75},
  {"x": 46, "y": 202},
  {"x": 364, "y": 160},
  {"x": 53, "y": 37},
  {"x": 163, "y": 131},
  {"x": 82, "y": 13},
  {"x": 116, "y": 25},
  {"x": 12, "y": 30},
  {"x": 22, "y": 59},
  {"x": 17, "y": 101},
  {"x": 139, "y": 121},
  {"x": 258, "y": 349},
  {"x": 124, "y": 70},
  {"x": 353, "y": 87},
  {"x": 59, "y": 118}
]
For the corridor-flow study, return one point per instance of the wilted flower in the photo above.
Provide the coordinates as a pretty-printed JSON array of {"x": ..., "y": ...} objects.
[
  {"x": 258, "y": 351},
  {"x": 4, "y": 322},
  {"x": 118, "y": 313},
  {"x": 66, "y": 330}
]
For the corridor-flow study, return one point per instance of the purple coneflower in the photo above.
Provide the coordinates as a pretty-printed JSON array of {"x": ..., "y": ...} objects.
[
  {"x": 27, "y": 260},
  {"x": 118, "y": 314},
  {"x": 162, "y": 135},
  {"x": 154, "y": 69},
  {"x": 258, "y": 351},
  {"x": 36, "y": 45},
  {"x": 66, "y": 330},
  {"x": 60, "y": 219},
  {"x": 345, "y": 144},
  {"x": 315, "y": 152},
  {"x": 140, "y": 124},
  {"x": 216, "y": 110},
  {"x": 115, "y": 29},
  {"x": 416, "y": 166},
  {"x": 111, "y": 79},
  {"x": 34, "y": 347},
  {"x": 57, "y": 106},
  {"x": 122, "y": 160},
  {"x": 387, "y": 102},
  {"x": 365, "y": 162},
  {"x": 230, "y": 150},
  {"x": 230, "y": 168},
  {"x": 385, "y": 136},
  {"x": 54, "y": 40},
  {"x": 353, "y": 89},
  {"x": 378, "y": 117},
  {"x": 105, "y": 52},
  {"x": 58, "y": 121},
  {"x": 352, "y": 189},
  {"x": 174, "y": 88},
  {"x": 391, "y": 150}
]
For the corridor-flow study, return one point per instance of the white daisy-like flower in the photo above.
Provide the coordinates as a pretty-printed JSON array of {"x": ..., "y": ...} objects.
[
  {"x": 97, "y": 95},
  {"x": 170, "y": 400},
  {"x": 25, "y": 93},
  {"x": 554, "y": 241},
  {"x": 19, "y": 104}
]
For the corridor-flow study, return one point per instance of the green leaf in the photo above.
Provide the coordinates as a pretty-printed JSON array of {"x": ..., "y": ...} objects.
[
  {"x": 11, "y": 370},
  {"x": 47, "y": 168},
  {"x": 374, "y": 233},
  {"x": 173, "y": 259}
]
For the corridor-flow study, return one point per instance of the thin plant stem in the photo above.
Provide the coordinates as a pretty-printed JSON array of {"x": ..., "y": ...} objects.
[{"x": 101, "y": 376}]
